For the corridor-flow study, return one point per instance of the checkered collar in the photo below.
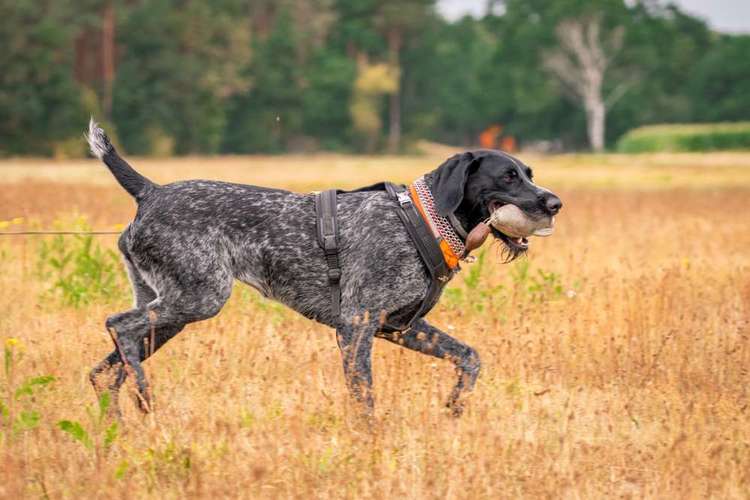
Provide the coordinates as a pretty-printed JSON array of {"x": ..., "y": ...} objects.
[{"x": 441, "y": 227}]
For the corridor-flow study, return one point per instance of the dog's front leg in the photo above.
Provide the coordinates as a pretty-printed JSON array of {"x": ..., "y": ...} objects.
[
  {"x": 354, "y": 337},
  {"x": 425, "y": 338}
]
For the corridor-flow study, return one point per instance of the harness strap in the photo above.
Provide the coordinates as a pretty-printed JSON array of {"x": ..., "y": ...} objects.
[
  {"x": 418, "y": 229},
  {"x": 328, "y": 239},
  {"x": 427, "y": 246},
  {"x": 420, "y": 232}
]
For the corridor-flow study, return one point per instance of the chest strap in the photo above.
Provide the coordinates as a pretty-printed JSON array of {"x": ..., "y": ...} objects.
[
  {"x": 328, "y": 239},
  {"x": 419, "y": 231},
  {"x": 427, "y": 246}
]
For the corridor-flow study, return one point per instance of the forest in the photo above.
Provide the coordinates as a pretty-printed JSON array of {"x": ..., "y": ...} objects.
[{"x": 178, "y": 77}]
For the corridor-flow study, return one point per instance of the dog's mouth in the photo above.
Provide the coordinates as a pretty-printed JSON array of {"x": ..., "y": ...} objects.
[{"x": 515, "y": 245}]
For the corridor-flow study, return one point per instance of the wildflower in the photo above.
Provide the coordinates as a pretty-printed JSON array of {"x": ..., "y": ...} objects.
[{"x": 13, "y": 343}]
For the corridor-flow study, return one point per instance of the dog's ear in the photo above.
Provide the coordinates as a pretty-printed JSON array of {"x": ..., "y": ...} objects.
[{"x": 449, "y": 181}]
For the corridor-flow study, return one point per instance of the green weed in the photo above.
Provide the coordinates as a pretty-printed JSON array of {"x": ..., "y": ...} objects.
[
  {"x": 540, "y": 286},
  {"x": 276, "y": 312},
  {"x": 17, "y": 414},
  {"x": 99, "y": 436},
  {"x": 476, "y": 293},
  {"x": 78, "y": 269},
  {"x": 167, "y": 463}
]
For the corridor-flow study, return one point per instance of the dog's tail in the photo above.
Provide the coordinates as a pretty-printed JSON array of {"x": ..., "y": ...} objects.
[{"x": 133, "y": 182}]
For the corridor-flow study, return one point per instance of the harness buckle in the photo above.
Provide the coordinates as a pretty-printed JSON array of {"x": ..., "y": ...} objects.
[
  {"x": 329, "y": 243},
  {"x": 334, "y": 275},
  {"x": 404, "y": 198}
]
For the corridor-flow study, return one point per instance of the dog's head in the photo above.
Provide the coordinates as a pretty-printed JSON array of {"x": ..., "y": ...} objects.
[{"x": 472, "y": 185}]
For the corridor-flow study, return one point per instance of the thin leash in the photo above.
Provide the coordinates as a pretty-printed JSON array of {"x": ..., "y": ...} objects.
[{"x": 54, "y": 233}]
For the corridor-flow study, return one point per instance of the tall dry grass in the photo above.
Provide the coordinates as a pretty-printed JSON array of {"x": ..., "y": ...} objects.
[{"x": 615, "y": 358}]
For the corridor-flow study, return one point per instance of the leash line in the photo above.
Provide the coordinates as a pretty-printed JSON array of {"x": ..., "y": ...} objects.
[{"x": 42, "y": 233}]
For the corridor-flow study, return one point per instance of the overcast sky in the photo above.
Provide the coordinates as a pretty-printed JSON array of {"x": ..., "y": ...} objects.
[{"x": 722, "y": 15}]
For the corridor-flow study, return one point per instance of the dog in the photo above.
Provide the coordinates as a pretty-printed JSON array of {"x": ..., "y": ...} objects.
[{"x": 190, "y": 240}]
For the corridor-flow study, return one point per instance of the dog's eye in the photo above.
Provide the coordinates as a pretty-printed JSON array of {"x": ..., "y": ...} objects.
[{"x": 510, "y": 176}]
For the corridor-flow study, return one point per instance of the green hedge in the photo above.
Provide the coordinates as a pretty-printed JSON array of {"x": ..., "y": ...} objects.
[{"x": 686, "y": 137}]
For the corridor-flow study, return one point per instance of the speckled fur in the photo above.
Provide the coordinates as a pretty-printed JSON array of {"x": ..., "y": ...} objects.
[{"x": 190, "y": 240}]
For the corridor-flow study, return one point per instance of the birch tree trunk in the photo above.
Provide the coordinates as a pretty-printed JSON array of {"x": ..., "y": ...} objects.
[
  {"x": 596, "y": 123},
  {"x": 580, "y": 64}
]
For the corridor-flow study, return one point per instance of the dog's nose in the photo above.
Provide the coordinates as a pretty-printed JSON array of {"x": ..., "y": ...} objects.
[{"x": 552, "y": 203}]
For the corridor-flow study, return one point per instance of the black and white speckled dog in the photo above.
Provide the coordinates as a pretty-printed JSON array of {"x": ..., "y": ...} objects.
[{"x": 190, "y": 240}]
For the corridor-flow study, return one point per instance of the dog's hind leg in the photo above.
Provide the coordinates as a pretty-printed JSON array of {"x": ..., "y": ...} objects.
[
  {"x": 114, "y": 369},
  {"x": 161, "y": 335},
  {"x": 176, "y": 305},
  {"x": 111, "y": 368},
  {"x": 193, "y": 297},
  {"x": 427, "y": 339},
  {"x": 107, "y": 367}
]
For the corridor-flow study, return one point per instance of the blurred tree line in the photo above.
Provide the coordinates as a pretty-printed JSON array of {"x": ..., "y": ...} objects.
[{"x": 246, "y": 76}]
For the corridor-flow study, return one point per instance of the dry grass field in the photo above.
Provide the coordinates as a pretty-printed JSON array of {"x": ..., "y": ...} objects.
[{"x": 616, "y": 356}]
